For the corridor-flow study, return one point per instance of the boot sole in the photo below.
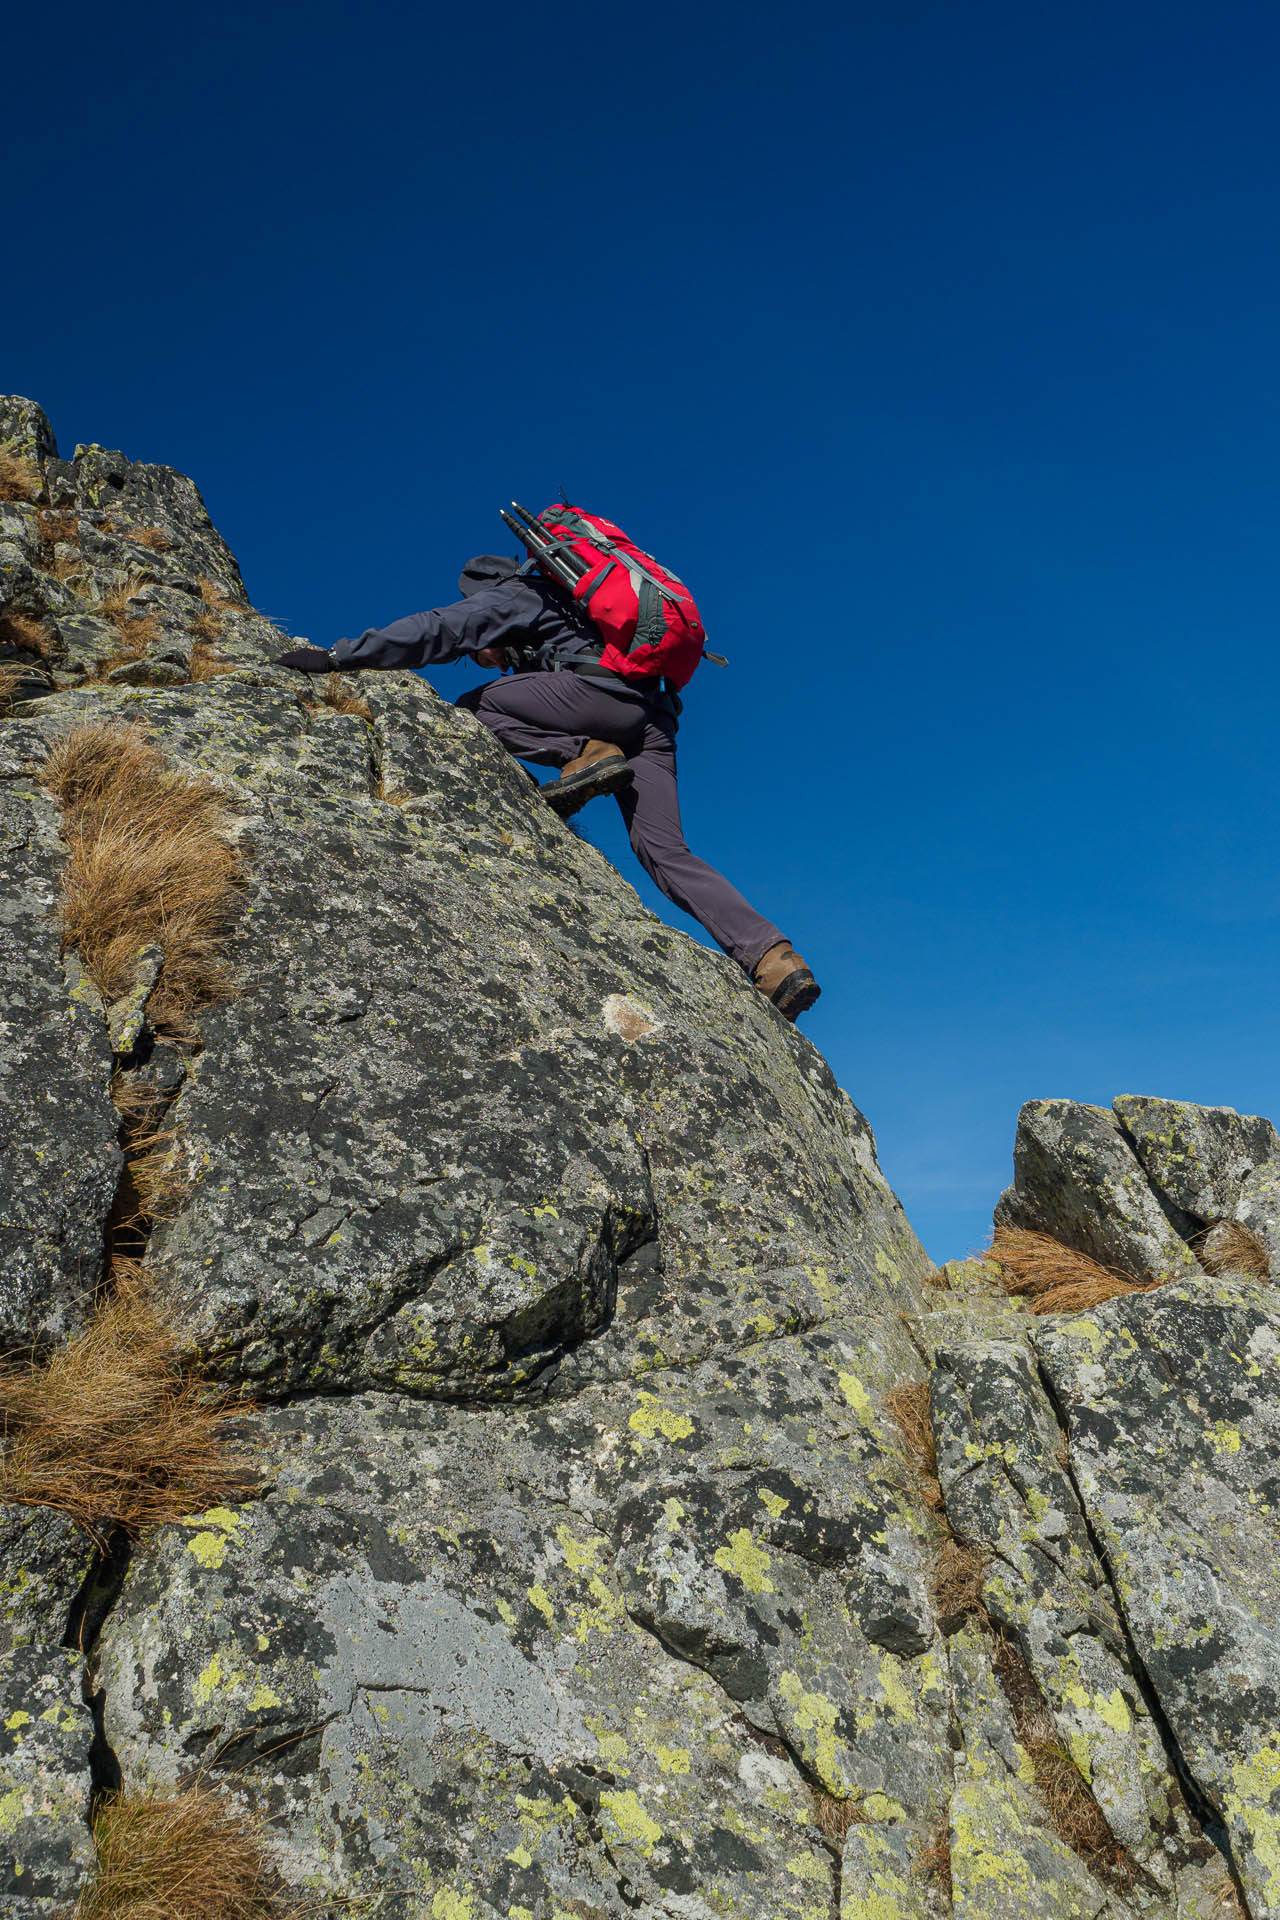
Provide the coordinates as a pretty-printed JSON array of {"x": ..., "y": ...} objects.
[
  {"x": 566, "y": 796},
  {"x": 796, "y": 994}
]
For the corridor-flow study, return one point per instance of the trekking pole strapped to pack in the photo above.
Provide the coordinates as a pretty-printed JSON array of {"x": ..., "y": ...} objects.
[
  {"x": 646, "y": 616},
  {"x": 565, "y": 568},
  {"x": 549, "y": 541}
]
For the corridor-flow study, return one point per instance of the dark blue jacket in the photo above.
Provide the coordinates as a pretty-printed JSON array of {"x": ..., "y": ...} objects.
[{"x": 522, "y": 609}]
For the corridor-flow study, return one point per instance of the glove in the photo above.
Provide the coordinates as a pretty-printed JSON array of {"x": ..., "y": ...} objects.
[{"x": 309, "y": 660}]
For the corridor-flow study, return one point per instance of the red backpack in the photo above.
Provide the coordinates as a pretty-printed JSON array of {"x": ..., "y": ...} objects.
[{"x": 646, "y": 616}]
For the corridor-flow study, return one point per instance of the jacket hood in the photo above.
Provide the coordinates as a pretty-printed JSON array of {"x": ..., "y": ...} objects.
[{"x": 486, "y": 570}]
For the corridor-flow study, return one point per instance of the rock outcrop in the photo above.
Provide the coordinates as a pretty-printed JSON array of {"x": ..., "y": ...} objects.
[{"x": 595, "y": 1565}]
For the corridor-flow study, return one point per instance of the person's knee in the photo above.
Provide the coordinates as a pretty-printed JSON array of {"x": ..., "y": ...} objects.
[
  {"x": 654, "y": 830},
  {"x": 470, "y": 699},
  {"x": 659, "y": 853}
]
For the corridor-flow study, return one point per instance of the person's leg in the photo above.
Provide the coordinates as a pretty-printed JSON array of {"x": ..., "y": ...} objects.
[
  {"x": 549, "y": 717},
  {"x": 651, "y": 810}
]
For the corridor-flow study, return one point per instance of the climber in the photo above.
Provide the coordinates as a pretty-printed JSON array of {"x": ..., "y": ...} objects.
[{"x": 559, "y": 707}]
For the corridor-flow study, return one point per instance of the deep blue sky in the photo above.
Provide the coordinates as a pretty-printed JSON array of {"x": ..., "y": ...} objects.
[{"x": 936, "y": 345}]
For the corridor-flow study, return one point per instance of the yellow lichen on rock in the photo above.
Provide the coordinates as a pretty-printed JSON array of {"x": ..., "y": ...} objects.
[
  {"x": 651, "y": 1419},
  {"x": 630, "y": 1821},
  {"x": 747, "y": 1561}
]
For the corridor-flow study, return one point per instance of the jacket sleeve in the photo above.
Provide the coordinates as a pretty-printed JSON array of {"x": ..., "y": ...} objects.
[{"x": 506, "y": 611}]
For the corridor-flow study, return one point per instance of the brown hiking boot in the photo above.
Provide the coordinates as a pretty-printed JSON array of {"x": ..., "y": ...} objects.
[
  {"x": 599, "y": 768},
  {"x": 783, "y": 977}
]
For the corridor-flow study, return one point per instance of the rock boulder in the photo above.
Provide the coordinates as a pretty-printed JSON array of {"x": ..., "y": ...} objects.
[{"x": 643, "y": 1529}]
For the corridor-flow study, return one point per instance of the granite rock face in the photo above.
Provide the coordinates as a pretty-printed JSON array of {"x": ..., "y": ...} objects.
[
  {"x": 1197, "y": 1158},
  {"x": 1172, "y": 1400},
  {"x": 590, "y": 1571},
  {"x": 46, "y": 1728},
  {"x": 1136, "y": 1188},
  {"x": 1077, "y": 1177},
  {"x": 58, "y": 1147}
]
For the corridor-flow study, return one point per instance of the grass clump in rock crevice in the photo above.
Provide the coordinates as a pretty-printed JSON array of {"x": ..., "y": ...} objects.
[
  {"x": 150, "y": 861},
  {"x": 1052, "y": 1278},
  {"x": 138, "y": 631},
  {"x": 137, "y": 637},
  {"x": 335, "y": 691},
  {"x": 1226, "y": 1247},
  {"x": 833, "y": 1816},
  {"x": 110, "y": 1430},
  {"x": 115, "y": 604},
  {"x": 11, "y": 679},
  {"x": 934, "y": 1863},
  {"x": 214, "y": 596},
  {"x": 956, "y": 1578},
  {"x": 206, "y": 664},
  {"x": 154, "y": 538},
  {"x": 391, "y": 796},
  {"x": 153, "y": 1184},
  {"x": 19, "y": 479},
  {"x": 1075, "y": 1814},
  {"x": 185, "y": 1855},
  {"x": 15, "y": 682},
  {"x": 58, "y": 528},
  {"x": 956, "y": 1584},
  {"x": 207, "y": 623},
  {"x": 909, "y": 1406},
  {"x": 26, "y": 633}
]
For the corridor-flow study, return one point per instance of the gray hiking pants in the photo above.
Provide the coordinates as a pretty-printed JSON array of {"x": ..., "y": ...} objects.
[{"x": 549, "y": 717}]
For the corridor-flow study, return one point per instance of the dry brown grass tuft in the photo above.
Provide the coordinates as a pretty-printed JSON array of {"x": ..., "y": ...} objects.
[
  {"x": 1053, "y": 1278},
  {"x": 910, "y": 1409},
  {"x": 206, "y": 664},
  {"x": 138, "y": 1102},
  {"x": 66, "y": 563},
  {"x": 11, "y": 680},
  {"x": 1073, "y": 1810},
  {"x": 956, "y": 1584},
  {"x": 1227, "y": 1247},
  {"x": 109, "y": 1431},
  {"x": 400, "y": 797},
  {"x": 934, "y": 1863},
  {"x": 57, "y": 529},
  {"x": 215, "y": 599},
  {"x": 334, "y": 692},
  {"x": 150, "y": 862},
  {"x": 142, "y": 631},
  {"x": 153, "y": 537},
  {"x": 137, "y": 637},
  {"x": 1075, "y": 1814},
  {"x": 180, "y": 1856},
  {"x": 205, "y": 625},
  {"x": 19, "y": 479},
  {"x": 115, "y": 605},
  {"x": 154, "y": 1185},
  {"x": 27, "y": 632},
  {"x": 834, "y": 1817},
  {"x": 138, "y": 631}
]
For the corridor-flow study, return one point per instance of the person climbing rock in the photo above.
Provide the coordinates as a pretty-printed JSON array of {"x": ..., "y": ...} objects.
[{"x": 558, "y": 705}]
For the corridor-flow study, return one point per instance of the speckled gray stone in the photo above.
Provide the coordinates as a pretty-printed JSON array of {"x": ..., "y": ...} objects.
[
  {"x": 1172, "y": 1401},
  {"x": 1076, "y": 1177},
  {"x": 590, "y": 1571},
  {"x": 59, "y": 1157},
  {"x": 45, "y": 1729},
  {"x": 1198, "y": 1158}
]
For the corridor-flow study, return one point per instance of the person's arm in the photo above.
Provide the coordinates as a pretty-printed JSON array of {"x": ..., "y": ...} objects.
[{"x": 504, "y": 611}]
